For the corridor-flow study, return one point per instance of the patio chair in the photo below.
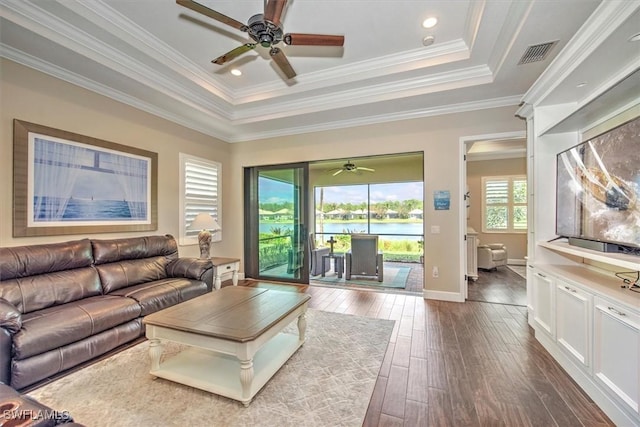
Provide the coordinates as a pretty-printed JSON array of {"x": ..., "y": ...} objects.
[
  {"x": 316, "y": 266},
  {"x": 364, "y": 259}
]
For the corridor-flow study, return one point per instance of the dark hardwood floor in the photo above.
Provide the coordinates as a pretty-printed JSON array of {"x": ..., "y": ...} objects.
[
  {"x": 499, "y": 286},
  {"x": 454, "y": 364}
]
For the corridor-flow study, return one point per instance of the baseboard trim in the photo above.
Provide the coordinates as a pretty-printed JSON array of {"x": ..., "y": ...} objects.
[
  {"x": 516, "y": 262},
  {"x": 443, "y": 296}
]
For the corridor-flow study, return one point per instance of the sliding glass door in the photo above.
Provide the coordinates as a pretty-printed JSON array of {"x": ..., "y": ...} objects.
[{"x": 276, "y": 222}]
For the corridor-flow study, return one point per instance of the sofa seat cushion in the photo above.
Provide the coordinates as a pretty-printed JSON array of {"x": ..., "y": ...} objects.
[
  {"x": 33, "y": 369},
  {"x": 159, "y": 294},
  {"x": 57, "y": 326}
]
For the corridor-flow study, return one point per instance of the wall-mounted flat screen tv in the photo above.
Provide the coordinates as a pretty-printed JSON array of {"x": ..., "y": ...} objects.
[{"x": 598, "y": 188}]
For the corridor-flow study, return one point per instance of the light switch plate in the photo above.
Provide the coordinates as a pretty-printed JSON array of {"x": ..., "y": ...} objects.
[{"x": 435, "y": 229}]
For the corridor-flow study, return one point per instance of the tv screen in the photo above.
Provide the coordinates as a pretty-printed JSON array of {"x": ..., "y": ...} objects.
[{"x": 598, "y": 188}]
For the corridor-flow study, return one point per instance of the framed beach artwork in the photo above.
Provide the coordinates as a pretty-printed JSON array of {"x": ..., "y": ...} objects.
[{"x": 65, "y": 183}]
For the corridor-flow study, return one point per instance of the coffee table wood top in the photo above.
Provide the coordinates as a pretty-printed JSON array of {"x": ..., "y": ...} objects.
[{"x": 234, "y": 313}]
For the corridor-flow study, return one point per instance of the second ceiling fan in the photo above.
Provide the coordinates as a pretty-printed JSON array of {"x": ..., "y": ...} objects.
[
  {"x": 265, "y": 29},
  {"x": 351, "y": 167}
]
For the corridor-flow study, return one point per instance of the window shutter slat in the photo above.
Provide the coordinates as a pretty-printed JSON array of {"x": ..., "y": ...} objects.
[{"x": 201, "y": 187}]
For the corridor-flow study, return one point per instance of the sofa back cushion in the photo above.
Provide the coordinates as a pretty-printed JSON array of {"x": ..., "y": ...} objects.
[
  {"x": 39, "y": 276},
  {"x": 127, "y": 262}
]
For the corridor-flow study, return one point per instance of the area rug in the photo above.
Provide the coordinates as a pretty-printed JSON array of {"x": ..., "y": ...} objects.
[
  {"x": 393, "y": 277},
  {"x": 520, "y": 270},
  {"x": 327, "y": 382}
]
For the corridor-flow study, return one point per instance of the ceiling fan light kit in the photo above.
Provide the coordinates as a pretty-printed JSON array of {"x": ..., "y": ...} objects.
[
  {"x": 265, "y": 30},
  {"x": 351, "y": 167}
]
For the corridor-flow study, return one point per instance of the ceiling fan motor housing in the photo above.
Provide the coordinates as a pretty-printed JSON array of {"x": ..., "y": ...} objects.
[{"x": 264, "y": 32}]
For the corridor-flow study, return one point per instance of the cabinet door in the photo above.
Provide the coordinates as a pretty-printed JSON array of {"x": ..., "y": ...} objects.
[
  {"x": 617, "y": 351},
  {"x": 573, "y": 320},
  {"x": 544, "y": 303}
]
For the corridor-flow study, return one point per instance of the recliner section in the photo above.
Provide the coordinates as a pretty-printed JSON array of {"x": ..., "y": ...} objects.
[{"x": 66, "y": 303}]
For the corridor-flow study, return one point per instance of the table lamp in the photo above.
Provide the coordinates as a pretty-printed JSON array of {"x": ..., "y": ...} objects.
[{"x": 206, "y": 224}]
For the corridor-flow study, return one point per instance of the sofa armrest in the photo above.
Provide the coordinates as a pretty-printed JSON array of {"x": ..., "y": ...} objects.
[
  {"x": 10, "y": 316},
  {"x": 189, "y": 268}
]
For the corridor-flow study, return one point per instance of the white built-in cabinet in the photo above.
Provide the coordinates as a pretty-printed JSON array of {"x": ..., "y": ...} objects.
[
  {"x": 573, "y": 322},
  {"x": 617, "y": 351},
  {"x": 543, "y": 301},
  {"x": 576, "y": 305},
  {"x": 591, "y": 325}
]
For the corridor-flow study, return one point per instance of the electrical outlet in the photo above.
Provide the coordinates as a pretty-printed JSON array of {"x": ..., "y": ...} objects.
[{"x": 435, "y": 273}]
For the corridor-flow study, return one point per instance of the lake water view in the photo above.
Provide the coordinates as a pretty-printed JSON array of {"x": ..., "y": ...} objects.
[{"x": 393, "y": 229}]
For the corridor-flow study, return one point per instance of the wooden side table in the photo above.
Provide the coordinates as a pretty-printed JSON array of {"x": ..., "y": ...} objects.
[{"x": 222, "y": 266}]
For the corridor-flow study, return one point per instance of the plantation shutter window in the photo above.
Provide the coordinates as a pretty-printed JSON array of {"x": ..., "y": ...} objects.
[
  {"x": 200, "y": 188},
  {"x": 504, "y": 201}
]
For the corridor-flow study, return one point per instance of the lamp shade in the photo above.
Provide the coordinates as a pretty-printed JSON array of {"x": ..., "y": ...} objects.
[{"x": 204, "y": 221}]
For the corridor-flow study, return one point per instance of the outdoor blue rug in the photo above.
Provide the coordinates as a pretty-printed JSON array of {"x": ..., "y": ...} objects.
[{"x": 394, "y": 277}]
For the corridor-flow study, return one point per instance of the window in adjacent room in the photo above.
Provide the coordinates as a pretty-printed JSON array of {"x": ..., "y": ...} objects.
[
  {"x": 200, "y": 191},
  {"x": 504, "y": 204}
]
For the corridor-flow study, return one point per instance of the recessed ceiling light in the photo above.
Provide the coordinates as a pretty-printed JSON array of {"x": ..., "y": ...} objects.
[
  {"x": 634, "y": 38},
  {"x": 236, "y": 72},
  {"x": 581, "y": 84},
  {"x": 428, "y": 41},
  {"x": 430, "y": 22}
]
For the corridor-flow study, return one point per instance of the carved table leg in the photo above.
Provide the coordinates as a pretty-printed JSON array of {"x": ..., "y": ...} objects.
[
  {"x": 246, "y": 378},
  {"x": 155, "y": 352}
]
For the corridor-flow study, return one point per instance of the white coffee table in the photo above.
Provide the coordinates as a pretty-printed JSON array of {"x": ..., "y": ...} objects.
[{"x": 235, "y": 339}]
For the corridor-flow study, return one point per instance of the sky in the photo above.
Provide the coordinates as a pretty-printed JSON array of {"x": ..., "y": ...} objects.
[{"x": 272, "y": 191}]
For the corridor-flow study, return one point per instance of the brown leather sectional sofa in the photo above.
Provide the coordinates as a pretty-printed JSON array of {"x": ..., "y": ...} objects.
[{"x": 66, "y": 303}]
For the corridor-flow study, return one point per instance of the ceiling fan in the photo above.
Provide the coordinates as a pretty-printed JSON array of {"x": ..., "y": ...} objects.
[
  {"x": 350, "y": 167},
  {"x": 265, "y": 30}
]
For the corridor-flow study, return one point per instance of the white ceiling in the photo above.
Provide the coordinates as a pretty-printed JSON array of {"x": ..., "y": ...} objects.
[{"x": 156, "y": 55}]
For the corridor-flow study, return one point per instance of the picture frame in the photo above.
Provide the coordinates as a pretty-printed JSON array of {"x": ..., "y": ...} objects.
[{"x": 66, "y": 183}]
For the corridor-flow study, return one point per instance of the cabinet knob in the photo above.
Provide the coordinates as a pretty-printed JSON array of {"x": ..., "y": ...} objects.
[
  {"x": 541, "y": 275},
  {"x": 569, "y": 289},
  {"x": 619, "y": 313}
]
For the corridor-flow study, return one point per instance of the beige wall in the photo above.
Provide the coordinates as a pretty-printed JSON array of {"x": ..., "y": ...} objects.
[
  {"x": 35, "y": 97},
  {"x": 516, "y": 242},
  {"x": 439, "y": 139}
]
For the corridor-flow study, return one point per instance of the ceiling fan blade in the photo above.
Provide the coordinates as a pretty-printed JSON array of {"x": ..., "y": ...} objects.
[
  {"x": 313, "y": 39},
  {"x": 338, "y": 172},
  {"x": 234, "y": 53},
  {"x": 273, "y": 10},
  {"x": 189, "y": 4},
  {"x": 360, "y": 168},
  {"x": 282, "y": 62}
]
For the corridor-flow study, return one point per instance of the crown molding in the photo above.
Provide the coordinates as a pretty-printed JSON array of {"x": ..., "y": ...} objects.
[
  {"x": 518, "y": 12},
  {"x": 383, "y": 118},
  {"x": 472, "y": 24},
  {"x": 607, "y": 17},
  {"x": 443, "y": 53},
  {"x": 120, "y": 26},
  {"x": 375, "y": 93},
  {"x": 8, "y": 52},
  {"x": 40, "y": 22}
]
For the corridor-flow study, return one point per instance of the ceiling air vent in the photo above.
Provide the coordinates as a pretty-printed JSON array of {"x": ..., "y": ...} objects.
[{"x": 537, "y": 52}]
